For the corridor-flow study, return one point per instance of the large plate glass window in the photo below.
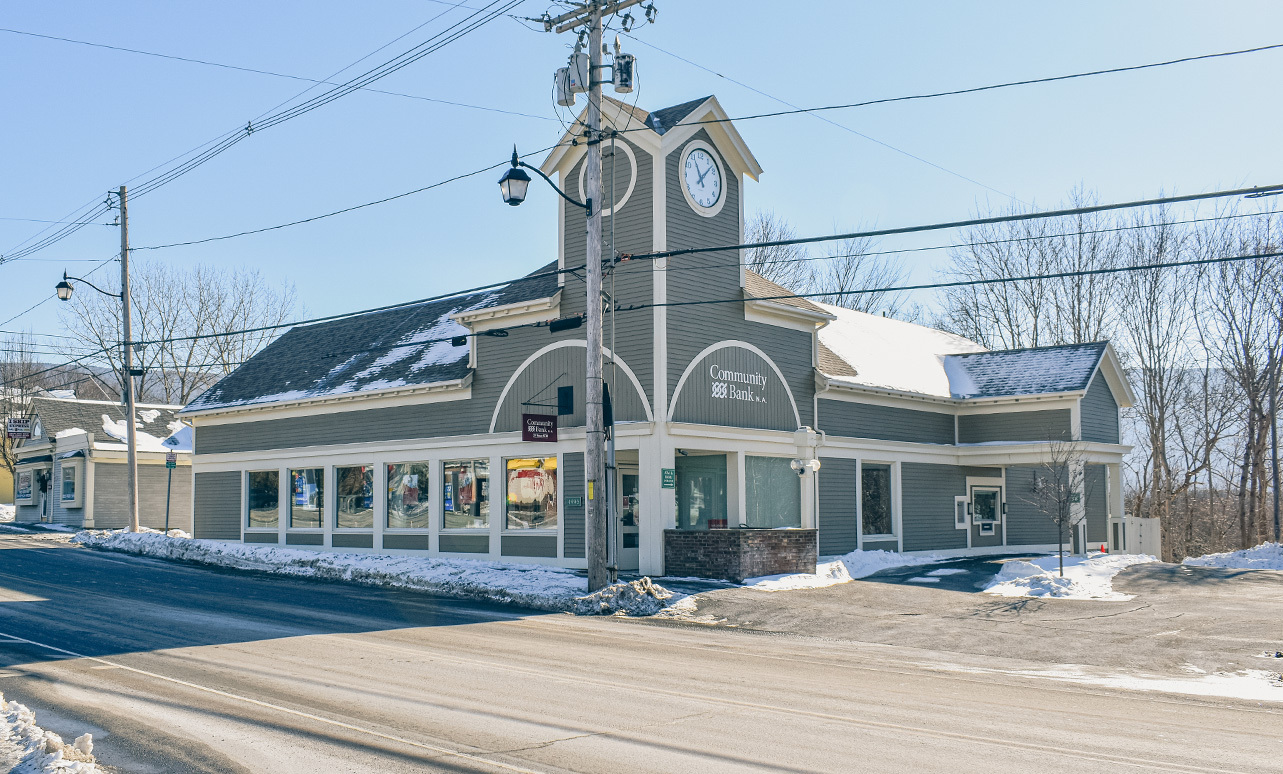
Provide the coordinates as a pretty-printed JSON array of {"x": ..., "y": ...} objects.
[
  {"x": 701, "y": 491},
  {"x": 307, "y": 497},
  {"x": 985, "y": 505},
  {"x": 532, "y": 493},
  {"x": 875, "y": 499},
  {"x": 354, "y": 501},
  {"x": 408, "y": 495},
  {"x": 773, "y": 493},
  {"x": 465, "y": 494},
  {"x": 263, "y": 499}
]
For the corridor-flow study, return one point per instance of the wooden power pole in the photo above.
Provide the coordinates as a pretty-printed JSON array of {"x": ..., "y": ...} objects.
[{"x": 127, "y": 382}]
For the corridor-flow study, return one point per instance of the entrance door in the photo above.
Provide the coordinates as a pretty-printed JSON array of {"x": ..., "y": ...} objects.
[
  {"x": 986, "y": 516},
  {"x": 629, "y": 519}
]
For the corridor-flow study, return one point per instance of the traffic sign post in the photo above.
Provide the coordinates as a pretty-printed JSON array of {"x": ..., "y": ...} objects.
[{"x": 171, "y": 462}]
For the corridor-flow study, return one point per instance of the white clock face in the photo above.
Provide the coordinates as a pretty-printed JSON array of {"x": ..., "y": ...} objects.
[{"x": 703, "y": 179}]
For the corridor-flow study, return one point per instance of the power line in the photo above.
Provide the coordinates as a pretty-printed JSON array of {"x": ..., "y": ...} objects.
[
  {"x": 959, "y": 283},
  {"x": 51, "y": 297},
  {"x": 256, "y": 71},
  {"x": 1277, "y": 188},
  {"x": 991, "y": 87}
]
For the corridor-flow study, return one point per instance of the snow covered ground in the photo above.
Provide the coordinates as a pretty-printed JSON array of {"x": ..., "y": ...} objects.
[
  {"x": 848, "y": 567},
  {"x": 8, "y": 512},
  {"x": 529, "y": 585},
  {"x": 1267, "y": 556},
  {"x": 26, "y": 748},
  {"x": 1089, "y": 577}
]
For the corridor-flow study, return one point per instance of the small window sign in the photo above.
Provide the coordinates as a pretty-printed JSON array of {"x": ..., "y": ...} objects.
[
  {"x": 669, "y": 478},
  {"x": 574, "y": 502}
]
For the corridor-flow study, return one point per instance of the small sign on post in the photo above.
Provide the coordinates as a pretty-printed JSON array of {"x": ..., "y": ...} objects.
[
  {"x": 669, "y": 478},
  {"x": 18, "y": 428},
  {"x": 539, "y": 427},
  {"x": 171, "y": 460}
]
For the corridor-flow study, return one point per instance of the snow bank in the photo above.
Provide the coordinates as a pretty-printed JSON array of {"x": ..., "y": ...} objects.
[
  {"x": 26, "y": 748},
  {"x": 1085, "y": 578},
  {"x": 848, "y": 567},
  {"x": 8, "y": 512},
  {"x": 529, "y": 585},
  {"x": 1267, "y": 556}
]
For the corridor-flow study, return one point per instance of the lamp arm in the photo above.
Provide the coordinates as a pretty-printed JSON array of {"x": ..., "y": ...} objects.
[
  {"x": 92, "y": 285},
  {"x": 587, "y": 206}
]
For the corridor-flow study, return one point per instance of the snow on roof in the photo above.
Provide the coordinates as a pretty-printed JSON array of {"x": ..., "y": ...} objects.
[
  {"x": 1033, "y": 371},
  {"x": 181, "y": 439},
  {"x": 405, "y": 346},
  {"x": 892, "y": 354}
]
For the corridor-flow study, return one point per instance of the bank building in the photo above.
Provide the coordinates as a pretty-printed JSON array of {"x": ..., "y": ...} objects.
[{"x": 750, "y": 434}]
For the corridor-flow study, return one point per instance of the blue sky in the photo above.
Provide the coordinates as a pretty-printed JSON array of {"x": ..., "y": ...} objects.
[{"x": 79, "y": 121}]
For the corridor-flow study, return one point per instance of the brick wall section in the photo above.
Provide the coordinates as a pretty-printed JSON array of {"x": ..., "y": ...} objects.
[{"x": 736, "y": 554}]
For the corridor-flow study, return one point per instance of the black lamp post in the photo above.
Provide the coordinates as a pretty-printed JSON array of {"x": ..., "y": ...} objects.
[{"x": 514, "y": 183}]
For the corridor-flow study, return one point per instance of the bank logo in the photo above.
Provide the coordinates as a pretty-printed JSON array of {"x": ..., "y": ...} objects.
[{"x": 732, "y": 391}]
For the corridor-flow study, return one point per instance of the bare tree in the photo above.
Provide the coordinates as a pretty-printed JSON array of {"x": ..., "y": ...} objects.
[
  {"x": 851, "y": 265},
  {"x": 1060, "y": 491},
  {"x": 193, "y": 320},
  {"x": 23, "y": 374},
  {"x": 785, "y": 265}
]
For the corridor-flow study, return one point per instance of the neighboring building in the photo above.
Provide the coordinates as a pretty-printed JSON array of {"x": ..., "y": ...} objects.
[
  {"x": 73, "y": 470},
  {"x": 376, "y": 432}
]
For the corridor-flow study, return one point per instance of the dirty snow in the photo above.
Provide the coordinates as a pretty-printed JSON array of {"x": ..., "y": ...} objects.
[
  {"x": 1085, "y": 577},
  {"x": 1267, "y": 556},
  {"x": 891, "y": 353},
  {"x": 848, "y": 567},
  {"x": 529, "y": 585},
  {"x": 26, "y": 748},
  {"x": 1247, "y": 684},
  {"x": 8, "y": 512},
  {"x": 922, "y": 579}
]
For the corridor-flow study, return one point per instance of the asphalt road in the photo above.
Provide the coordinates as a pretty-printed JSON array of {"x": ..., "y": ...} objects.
[{"x": 183, "y": 669}]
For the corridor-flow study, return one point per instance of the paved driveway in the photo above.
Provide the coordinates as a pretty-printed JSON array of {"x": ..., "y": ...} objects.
[{"x": 968, "y": 575}]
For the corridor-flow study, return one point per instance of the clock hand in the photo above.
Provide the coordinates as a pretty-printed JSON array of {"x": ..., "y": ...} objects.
[{"x": 704, "y": 173}]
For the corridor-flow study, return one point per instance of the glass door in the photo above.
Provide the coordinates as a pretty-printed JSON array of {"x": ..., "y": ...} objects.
[{"x": 629, "y": 519}]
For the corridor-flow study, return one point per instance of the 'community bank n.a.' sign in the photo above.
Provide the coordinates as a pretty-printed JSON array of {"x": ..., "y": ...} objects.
[{"x": 734, "y": 385}]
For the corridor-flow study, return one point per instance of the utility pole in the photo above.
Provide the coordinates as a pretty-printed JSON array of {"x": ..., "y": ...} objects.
[
  {"x": 128, "y": 381},
  {"x": 598, "y": 513}
]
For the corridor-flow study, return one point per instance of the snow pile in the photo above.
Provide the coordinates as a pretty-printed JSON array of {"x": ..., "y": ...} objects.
[
  {"x": 1085, "y": 578},
  {"x": 29, "y": 749},
  {"x": 8, "y": 512},
  {"x": 118, "y": 430},
  {"x": 529, "y": 585},
  {"x": 1266, "y": 556},
  {"x": 845, "y": 568}
]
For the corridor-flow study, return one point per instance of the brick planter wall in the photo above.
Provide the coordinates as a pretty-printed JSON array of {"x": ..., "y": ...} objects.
[{"x": 736, "y": 554}]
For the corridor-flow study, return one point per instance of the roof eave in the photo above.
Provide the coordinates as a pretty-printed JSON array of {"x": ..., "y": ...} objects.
[{"x": 415, "y": 389}]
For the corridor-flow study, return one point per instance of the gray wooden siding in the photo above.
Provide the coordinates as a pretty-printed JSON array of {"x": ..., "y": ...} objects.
[
  {"x": 572, "y": 518},
  {"x": 262, "y": 537},
  {"x": 70, "y": 516},
  {"x": 716, "y": 276},
  {"x": 111, "y": 495},
  {"x": 28, "y": 513},
  {"x": 1027, "y": 524},
  {"x": 304, "y": 539},
  {"x": 737, "y": 404},
  {"x": 340, "y": 540},
  {"x": 419, "y": 542},
  {"x": 1099, "y": 412},
  {"x": 565, "y": 366},
  {"x": 838, "y": 517},
  {"x": 1097, "y": 505},
  {"x": 1052, "y": 424},
  {"x": 631, "y": 283},
  {"x": 863, "y": 420},
  {"x": 881, "y": 545},
  {"x": 926, "y": 495},
  {"x": 461, "y": 544},
  {"x": 218, "y": 506},
  {"x": 528, "y": 545}
]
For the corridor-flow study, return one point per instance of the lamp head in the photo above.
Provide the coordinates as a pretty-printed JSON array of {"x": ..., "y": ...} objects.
[
  {"x": 64, "y": 288},
  {"x": 514, "y": 182}
]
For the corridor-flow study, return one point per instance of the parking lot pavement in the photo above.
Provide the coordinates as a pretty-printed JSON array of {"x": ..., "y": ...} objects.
[{"x": 969, "y": 575}]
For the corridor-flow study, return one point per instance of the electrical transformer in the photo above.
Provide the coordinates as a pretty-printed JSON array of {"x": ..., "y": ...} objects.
[
  {"x": 561, "y": 78},
  {"x": 579, "y": 72},
  {"x": 624, "y": 70}
]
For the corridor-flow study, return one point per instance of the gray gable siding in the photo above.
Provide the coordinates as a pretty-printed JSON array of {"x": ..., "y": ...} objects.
[
  {"x": 535, "y": 390},
  {"x": 218, "y": 506},
  {"x": 1099, "y": 413},
  {"x": 838, "y": 517},
  {"x": 926, "y": 495},
  {"x": 718, "y": 401},
  {"x": 1027, "y": 524},
  {"x": 1052, "y": 424},
  {"x": 864, "y": 420},
  {"x": 572, "y": 518},
  {"x": 631, "y": 283},
  {"x": 111, "y": 493},
  {"x": 716, "y": 276}
]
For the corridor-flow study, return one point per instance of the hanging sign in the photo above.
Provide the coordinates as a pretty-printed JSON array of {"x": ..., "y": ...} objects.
[
  {"x": 539, "y": 427},
  {"x": 18, "y": 428}
]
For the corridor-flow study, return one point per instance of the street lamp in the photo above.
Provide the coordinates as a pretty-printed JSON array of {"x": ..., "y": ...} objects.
[
  {"x": 64, "y": 290},
  {"x": 514, "y": 183}
]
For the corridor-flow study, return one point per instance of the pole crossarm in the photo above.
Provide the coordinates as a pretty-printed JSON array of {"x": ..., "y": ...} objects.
[{"x": 583, "y": 13}]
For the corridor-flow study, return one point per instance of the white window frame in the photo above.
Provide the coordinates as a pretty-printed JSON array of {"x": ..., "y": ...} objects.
[
  {"x": 326, "y": 495},
  {"x": 560, "y": 489},
  {"x": 965, "y": 502},
  {"x": 245, "y": 525},
  {"x": 77, "y": 481},
  {"x": 439, "y": 504},
  {"x": 744, "y": 457},
  {"x": 1001, "y": 504},
  {"x": 374, "y": 511},
  {"x": 894, "y": 535},
  {"x": 30, "y": 499}
]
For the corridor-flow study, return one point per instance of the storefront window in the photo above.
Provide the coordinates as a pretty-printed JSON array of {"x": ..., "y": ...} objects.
[
  {"x": 408, "y": 495},
  {"x": 465, "y": 494},
  {"x": 354, "y": 505},
  {"x": 263, "y": 499},
  {"x": 307, "y": 497},
  {"x": 532, "y": 493},
  {"x": 875, "y": 499},
  {"x": 701, "y": 491},
  {"x": 772, "y": 493},
  {"x": 68, "y": 483}
]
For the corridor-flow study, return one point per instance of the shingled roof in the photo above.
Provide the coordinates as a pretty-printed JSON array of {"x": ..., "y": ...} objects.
[
  {"x": 60, "y": 414},
  {"x": 666, "y": 118},
  {"x": 402, "y": 347},
  {"x": 1033, "y": 371}
]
